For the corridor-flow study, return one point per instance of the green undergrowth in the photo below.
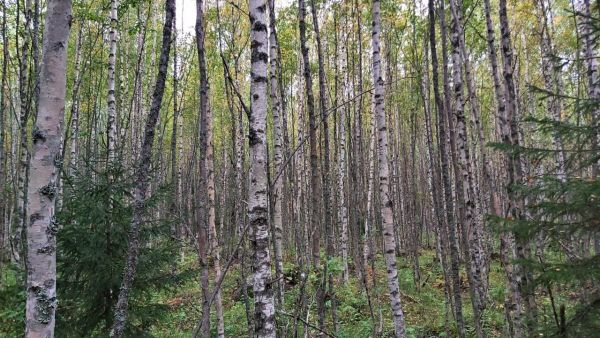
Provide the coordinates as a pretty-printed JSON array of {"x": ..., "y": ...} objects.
[{"x": 423, "y": 302}]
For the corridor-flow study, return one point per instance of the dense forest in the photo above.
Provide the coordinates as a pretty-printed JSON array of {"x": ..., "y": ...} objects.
[{"x": 306, "y": 168}]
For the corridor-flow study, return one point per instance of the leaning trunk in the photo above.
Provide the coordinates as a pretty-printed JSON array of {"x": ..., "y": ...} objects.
[{"x": 142, "y": 181}]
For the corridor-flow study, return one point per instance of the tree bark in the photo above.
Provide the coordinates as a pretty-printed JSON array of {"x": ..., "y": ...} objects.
[
  {"x": 466, "y": 175},
  {"x": 312, "y": 138},
  {"x": 207, "y": 179},
  {"x": 24, "y": 114},
  {"x": 384, "y": 190},
  {"x": 342, "y": 164},
  {"x": 434, "y": 164},
  {"x": 278, "y": 112},
  {"x": 5, "y": 228},
  {"x": 42, "y": 227},
  {"x": 264, "y": 308},
  {"x": 111, "y": 126},
  {"x": 175, "y": 184},
  {"x": 74, "y": 150},
  {"x": 551, "y": 69},
  {"x": 514, "y": 272},
  {"x": 326, "y": 191}
]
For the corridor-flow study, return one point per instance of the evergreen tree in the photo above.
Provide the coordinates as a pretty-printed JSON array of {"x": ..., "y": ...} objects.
[{"x": 91, "y": 247}]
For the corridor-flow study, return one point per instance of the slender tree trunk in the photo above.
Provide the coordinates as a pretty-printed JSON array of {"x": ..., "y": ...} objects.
[
  {"x": 466, "y": 174},
  {"x": 202, "y": 239},
  {"x": 111, "y": 125},
  {"x": 175, "y": 188},
  {"x": 513, "y": 310},
  {"x": 278, "y": 112},
  {"x": 310, "y": 102},
  {"x": 455, "y": 191},
  {"x": 142, "y": 177},
  {"x": 42, "y": 229},
  {"x": 24, "y": 113},
  {"x": 5, "y": 228},
  {"x": 438, "y": 204},
  {"x": 514, "y": 272},
  {"x": 302, "y": 222},
  {"x": 367, "y": 250},
  {"x": 73, "y": 125},
  {"x": 342, "y": 206},
  {"x": 551, "y": 69},
  {"x": 207, "y": 172},
  {"x": 264, "y": 309},
  {"x": 384, "y": 190},
  {"x": 74, "y": 150},
  {"x": 482, "y": 197},
  {"x": 326, "y": 192},
  {"x": 207, "y": 181},
  {"x": 493, "y": 56},
  {"x": 354, "y": 158}
]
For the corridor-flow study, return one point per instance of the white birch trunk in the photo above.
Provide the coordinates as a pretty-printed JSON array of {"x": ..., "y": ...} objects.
[
  {"x": 342, "y": 209},
  {"x": 264, "y": 308},
  {"x": 510, "y": 136},
  {"x": 466, "y": 175},
  {"x": 370, "y": 183},
  {"x": 215, "y": 248},
  {"x": 42, "y": 229},
  {"x": 277, "y": 192},
  {"x": 384, "y": 189},
  {"x": 74, "y": 151},
  {"x": 552, "y": 82},
  {"x": 22, "y": 175},
  {"x": 111, "y": 126}
]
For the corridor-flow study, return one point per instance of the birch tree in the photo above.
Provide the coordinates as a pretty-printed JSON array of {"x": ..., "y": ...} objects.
[
  {"x": 24, "y": 115},
  {"x": 42, "y": 228},
  {"x": 515, "y": 274},
  {"x": 264, "y": 308},
  {"x": 111, "y": 126},
  {"x": 384, "y": 190},
  {"x": 277, "y": 194},
  {"x": 207, "y": 172},
  {"x": 342, "y": 164},
  {"x": 446, "y": 184},
  {"x": 312, "y": 138},
  {"x": 466, "y": 174},
  {"x": 142, "y": 177},
  {"x": 5, "y": 229}
]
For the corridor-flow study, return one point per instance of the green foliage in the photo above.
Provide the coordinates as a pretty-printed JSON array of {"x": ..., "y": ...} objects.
[
  {"x": 12, "y": 301},
  {"x": 334, "y": 265},
  {"x": 92, "y": 246},
  {"x": 560, "y": 214}
]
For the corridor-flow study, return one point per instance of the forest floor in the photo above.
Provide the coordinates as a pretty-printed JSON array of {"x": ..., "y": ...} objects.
[{"x": 423, "y": 303}]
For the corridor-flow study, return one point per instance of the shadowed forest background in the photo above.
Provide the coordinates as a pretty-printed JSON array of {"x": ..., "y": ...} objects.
[{"x": 320, "y": 168}]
